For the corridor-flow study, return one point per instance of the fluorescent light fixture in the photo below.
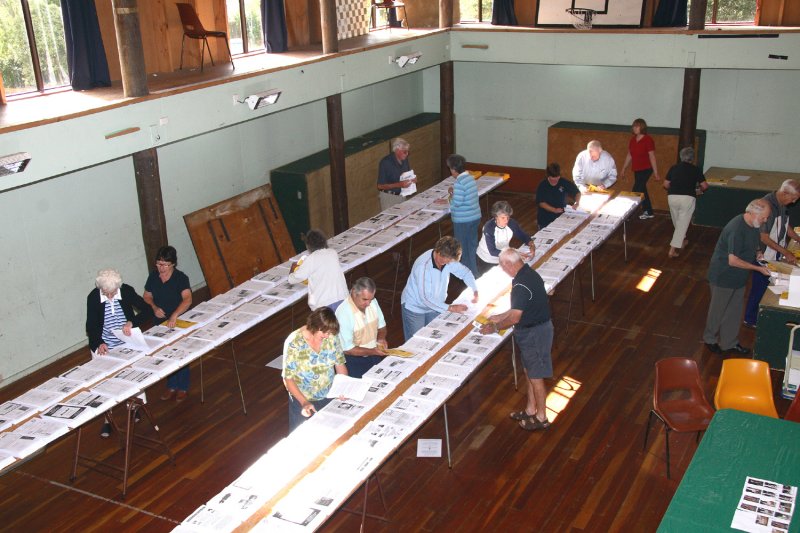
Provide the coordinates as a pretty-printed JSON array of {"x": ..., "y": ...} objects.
[
  {"x": 14, "y": 163},
  {"x": 259, "y": 100},
  {"x": 409, "y": 59}
]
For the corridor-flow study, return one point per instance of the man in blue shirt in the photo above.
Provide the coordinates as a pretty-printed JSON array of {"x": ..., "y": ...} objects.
[{"x": 424, "y": 296}]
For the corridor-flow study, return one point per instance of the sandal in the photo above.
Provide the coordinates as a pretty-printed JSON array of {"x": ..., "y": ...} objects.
[
  {"x": 519, "y": 415},
  {"x": 532, "y": 423}
]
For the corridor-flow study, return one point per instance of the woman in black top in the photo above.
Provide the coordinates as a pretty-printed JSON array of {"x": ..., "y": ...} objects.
[
  {"x": 168, "y": 292},
  {"x": 682, "y": 182}
]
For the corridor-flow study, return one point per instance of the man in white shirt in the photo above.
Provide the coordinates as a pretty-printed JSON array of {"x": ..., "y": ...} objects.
[
  {"x": 594, "y": 166},
  {"x": 362, "y": 328}
]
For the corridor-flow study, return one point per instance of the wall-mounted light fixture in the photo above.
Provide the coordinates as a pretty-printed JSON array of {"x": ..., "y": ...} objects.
[
  {"x": 409, "y": 59},
  {"x": 259, "y": 100},
  {"x": 14, "y": 163}
]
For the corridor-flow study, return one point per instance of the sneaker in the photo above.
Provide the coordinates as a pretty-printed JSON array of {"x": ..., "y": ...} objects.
[
  {"x": 646, "y": 216},
  {"x": 713, "y": 347},
  {"x": 105, "y": 431},
  {"x": 739, "y": 350},
  {"x": 137, "y": 418}
]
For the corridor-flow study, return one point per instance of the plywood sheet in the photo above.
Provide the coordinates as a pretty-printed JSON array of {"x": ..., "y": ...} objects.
[{"x": 238, "y": 238}]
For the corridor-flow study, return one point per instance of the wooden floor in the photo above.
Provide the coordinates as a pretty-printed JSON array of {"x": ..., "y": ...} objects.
[{"x": 586, "y": 473}]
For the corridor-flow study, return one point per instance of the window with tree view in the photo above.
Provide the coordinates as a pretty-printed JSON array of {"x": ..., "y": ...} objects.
[
  {"x": 33, "y": 53},
  {"x": 475, "y": 10},
  {"x": 253, "y": 37},
  {"x": 730, "y": 11}
]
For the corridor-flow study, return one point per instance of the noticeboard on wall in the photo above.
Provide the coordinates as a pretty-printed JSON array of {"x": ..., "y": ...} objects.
[{"x": 608, "y": 13}]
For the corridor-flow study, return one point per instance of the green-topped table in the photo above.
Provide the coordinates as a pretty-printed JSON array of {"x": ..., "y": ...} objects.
[
  {"x": 736, "y": 445},
  {"x": 727, "y": 197}
]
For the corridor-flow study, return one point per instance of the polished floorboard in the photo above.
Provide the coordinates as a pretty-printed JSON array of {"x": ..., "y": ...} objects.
[{"x": 588, "y": 472}]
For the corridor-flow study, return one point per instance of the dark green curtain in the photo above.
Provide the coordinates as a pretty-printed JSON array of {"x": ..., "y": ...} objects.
[
  {"x": 86, "y": 56},
  {"x": 503, "y": 13},
  {"x": 671, "y": 14},
  {"x": 273, "y": 24}
]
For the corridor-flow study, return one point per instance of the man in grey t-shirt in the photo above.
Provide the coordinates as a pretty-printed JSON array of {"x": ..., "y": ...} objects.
[{"x": 733, "y": 259}]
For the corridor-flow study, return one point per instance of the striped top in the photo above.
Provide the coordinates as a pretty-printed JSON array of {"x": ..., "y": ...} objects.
[
  {"x": 464, "y": 206},
  {"x": 113, "y": 319}
]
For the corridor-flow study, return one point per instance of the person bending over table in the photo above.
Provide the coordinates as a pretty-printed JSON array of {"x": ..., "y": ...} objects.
[
  {"x": 169, "y": 294},
  {"x": 497, "y": 234},
  {"x": 362, "y": 328},
  {"x": 732, "y": 260},
  {"x": 312, "y": 355},
  {"x": 533, "y": 333},
  {"x": 424, "y": 295},
  {"x": 595, "y": 167},
  {"x": 681, "y": 183},
  {"x": 321, "y": 268},
  {"x": 553, "y": 194},
  {"x": 776, "y": 233},
  {"x": 110, "y": 306},
  {"x": 465, "y": 210},
  {"x": 390, "y": 169}
]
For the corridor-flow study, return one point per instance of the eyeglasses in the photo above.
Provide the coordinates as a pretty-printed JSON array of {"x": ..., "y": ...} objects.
[{"x": 163, "y": 264}]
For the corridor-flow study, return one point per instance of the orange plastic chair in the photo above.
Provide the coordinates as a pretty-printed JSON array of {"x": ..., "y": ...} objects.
[
  {"x": 745, "y": 384},
  {"x": 193, "y": 29},
  {"x": 678, "y": 400},
  {"x": 793, "y": 413}
]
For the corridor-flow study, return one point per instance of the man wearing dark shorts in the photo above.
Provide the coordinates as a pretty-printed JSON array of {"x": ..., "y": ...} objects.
[{"x": 533, "y": 332}]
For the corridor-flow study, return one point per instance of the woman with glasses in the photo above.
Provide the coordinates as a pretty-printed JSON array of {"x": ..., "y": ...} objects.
[{"x": 168, "y": 293}]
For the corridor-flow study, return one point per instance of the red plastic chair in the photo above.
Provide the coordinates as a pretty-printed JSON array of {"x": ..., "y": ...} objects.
[
  {"x": 193, "y": 29},
  {"x": 793, "y": 413},
  {"x": 678, "y": 400}
]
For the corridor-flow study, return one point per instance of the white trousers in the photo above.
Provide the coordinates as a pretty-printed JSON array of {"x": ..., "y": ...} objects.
[{"x": 681, "y": 208}]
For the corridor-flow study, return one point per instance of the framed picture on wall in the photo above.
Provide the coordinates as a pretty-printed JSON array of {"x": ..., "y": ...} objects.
[{"x": 603, "y": 13}]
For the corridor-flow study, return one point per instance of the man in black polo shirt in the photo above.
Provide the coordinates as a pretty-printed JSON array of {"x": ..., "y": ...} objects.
[
  {"x": 533, "y": 331},
  {"x": 390, "y": 169}
]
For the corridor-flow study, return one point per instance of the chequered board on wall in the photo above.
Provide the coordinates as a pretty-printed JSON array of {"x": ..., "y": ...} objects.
[{"x": 352, "y": 18}]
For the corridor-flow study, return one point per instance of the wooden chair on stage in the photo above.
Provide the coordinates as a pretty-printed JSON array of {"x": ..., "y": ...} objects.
[
  {"x": 387, "y": 5},
  {"x": 193, "y": 29}
]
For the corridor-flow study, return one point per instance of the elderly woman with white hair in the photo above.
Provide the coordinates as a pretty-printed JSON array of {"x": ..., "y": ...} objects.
[
  {"x": 682, "y": 182},
  {"x": 110, "y": 307}
]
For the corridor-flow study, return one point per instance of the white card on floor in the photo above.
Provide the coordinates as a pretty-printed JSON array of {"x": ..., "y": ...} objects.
[{"x": 429, "y": 447}]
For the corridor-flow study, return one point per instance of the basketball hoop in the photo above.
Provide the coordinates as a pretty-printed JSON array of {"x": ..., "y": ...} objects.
[{"x": 582, "y": 18}]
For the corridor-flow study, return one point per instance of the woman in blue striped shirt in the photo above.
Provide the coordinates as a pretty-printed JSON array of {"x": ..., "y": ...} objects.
[{"x": 465, "y": 211}]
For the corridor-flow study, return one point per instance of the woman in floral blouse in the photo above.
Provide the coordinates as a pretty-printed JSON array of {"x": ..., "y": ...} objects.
[{"x": 312, "y": 355}]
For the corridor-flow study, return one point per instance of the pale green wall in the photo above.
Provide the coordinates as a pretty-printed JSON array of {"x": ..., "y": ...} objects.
[
  {"x": 56, "y": 235},
  {"x": 749, "y": 115},
  {"x": 59, "y": 232}
]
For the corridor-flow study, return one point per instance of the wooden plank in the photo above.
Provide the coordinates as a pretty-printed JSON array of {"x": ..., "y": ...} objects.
[
  {"x": 298, "y": 27},
  {"x": 151, "y": 203},
  {"x": 238, "y": 238}
]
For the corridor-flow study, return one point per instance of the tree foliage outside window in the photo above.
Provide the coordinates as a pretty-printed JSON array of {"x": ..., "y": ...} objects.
[
  {"x": 729, "y": 11},
  {"x": 475, "y": 10},
  {"x": 16, "y": 61},
  {"x": 253, "y": 33}
]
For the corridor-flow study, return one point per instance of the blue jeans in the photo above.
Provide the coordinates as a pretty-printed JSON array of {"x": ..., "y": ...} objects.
[
  {"x": 413, "y": 322},
  {"x": 179, "y": 380},
  {"x": 757, "y": 289},
  {"x": 295, "y": 411},
  {"x": 467, "y": 235},
  {"x": 358, "y": 365}
]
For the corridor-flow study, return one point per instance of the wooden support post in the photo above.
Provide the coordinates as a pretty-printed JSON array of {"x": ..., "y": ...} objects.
[
  {"x": 151, "y": 203},
  {"x": 341, "y": 219},
  {"x": 330, "y": 30},
  {"x": 697, "y": 14},
  {"x": 446, "y": 115},
  {"x": 691, "y": 98},
  {"x": 445, "y": 13},
  {"x": 129, "y": 43}
]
